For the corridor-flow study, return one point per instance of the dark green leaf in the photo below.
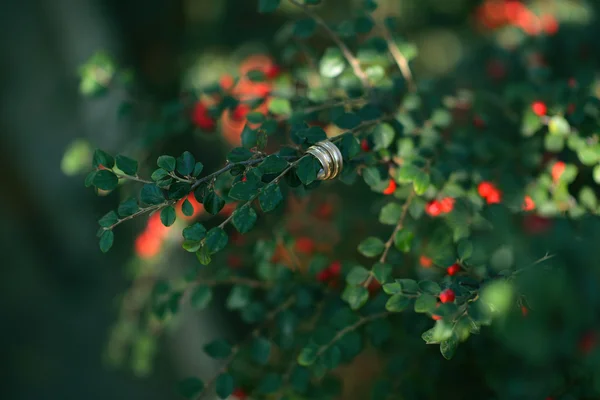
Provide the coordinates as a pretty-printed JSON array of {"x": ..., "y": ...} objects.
[
  {"x": 382, "y": 272},
  {"x": 106, "y": 240},
  {"x": 224, "y": 385},
  {"x": 105, "y": 180},
  {"x": 464, "y": 249},
  {"x": 128, "y": 207},
  {"x": 195, "y": 232},
  {"x": 332, "y": 64},
  {"x": 201, "y": 297},
  {"x": 397, "y": 303},
  {"x": 127, "y": 165},
  {"x": 308, "y": 169},
  {"x": 364, "y": 25},
  {"x": 332, "y": 357},
  {"x": 198, "y": 167},
  {"x": 421, "y": 182},
  {"x": 270, "y": 383},
  {"x": 403, "y": 240},
  {"x": 430, "y": 287},
  {"x": 308, "y": 355},
  {"x": 109, "y": 219},
  {"x": 304, "y": 28},
  {"x": 383, "y": 136},
  {"x": 191, "y": 246},
  {"x": 349, "y": 146},
  {"x": 89, "y": 179},
  {"x": 348, "y": 121},
  {"x": 270, "y": 197},
  {"x": 216, "y": 240},
  {"x": 239, "y": 154},
  {"x": 179, "y": 190},
  {"x": 249, "y": 137},
  {"x": 261, "y": 350},
  {"x": 101, "y": 158},
  {"x": 243, "y": 191},
  {"x": 186, "y": 164},
  {"x": 425, "y": 303},
  {"x": 390, "y": 214},
  {"x": 273, "y": 165},
  {"x": 313, "y": 134},
  {"x": 255, "y": 117},
  {"x": 151, "y": 194},
  {"x": 448, "y": 347},
  {"x": 409, "y": 286},
  {"x": 371, "y": 247},
  {"x": 218, "y": 349},
  {"x": 355, "y": 296},
  {"x": 213, "y": 203},
  {"x": 203, "y": 255},
  {"x": 239, "y": 297},
  {"x": 187, "y": 208},
  {"x": 357, "y": 275},
  {"x": 244, "y": 219},
  {"x": 191, "y": 387},
  {"x": 392, "y": 288},
  {"x": 159, "y": 174},
  {"x": 167, "y": 216},
  {"x": 256, "y": 75},
  {"x": 167, "y": 163}
]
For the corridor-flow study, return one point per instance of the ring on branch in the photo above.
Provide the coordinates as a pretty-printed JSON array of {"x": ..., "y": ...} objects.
[{"x": 330, "y": 158}]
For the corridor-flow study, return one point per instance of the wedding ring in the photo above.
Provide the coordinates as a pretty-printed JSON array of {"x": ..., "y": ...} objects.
[{"x": 329, "y": 157}]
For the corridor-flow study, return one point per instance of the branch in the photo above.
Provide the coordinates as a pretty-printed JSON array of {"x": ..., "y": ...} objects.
[
  {"x": 397, "y": 228},
  {"x": 131, "y": 178},
  {"x": 352, "y": 60},
  {"x": 400, "y": 60},
  {"x": 138, "y": 213},
  {"x": 234, "y": 280}
]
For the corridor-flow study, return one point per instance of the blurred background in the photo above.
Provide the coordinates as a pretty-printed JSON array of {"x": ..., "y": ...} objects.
[{"x": 60, "y": 296}]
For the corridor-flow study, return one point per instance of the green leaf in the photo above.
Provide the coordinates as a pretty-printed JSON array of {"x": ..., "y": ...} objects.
[
  {"x": 597, "y": 174},
  {"x": 239, "y": 154},
  {"x": 409, "y": 286},
  {"x": 349, "y": 146},
  {"x": 239, "y": 297},
  {"x": 382, "y": 272},
  {"x": 308, "y": 169},
  {"x": 185, "y": 164},
  {"x": 403, "y": 240},
  {"x": 224, "y": 385},
  {"x": 392, "y": 288},
  {"x": 421, "y": 182},
  {"x": 332, "y": 357},
  {"x": 216, "y": 240},
  {"x": 371, "y": 247},
  {"x": 308, "y": 355},
  {"x": 430, "y": 287},
  {"x": 267, "y": 6},
  {"x": 108, "y": 219},
  {"x": 256, "y": 75},
  {"x": 102, "y": 158},
  {"x": 558, "y": 126},
  {"x": 261, "y": 350},
  {"x": 179, "y": 190},
  {"x": 554, "y": 143},
  {"x": 355, "y": 296},
  {"x": 270, "y": 383},
  {"x": 187, "y": 208},
  {"x": 588, "y": 156},
  {"x": 305, "y": 28},
  {"x": 280, "y": 106},
  {"x": 191, "y": 387},
  {"x": 89, "y": 179},
  {"x": 201, "y": 297},
  {"x": 159, "y": 175},
  {"x": 191, "y": 246},
  {"x": 243, "y": 191},
  {"x": 383, "y": 136},
  {"x": 213, "y": 203},
  {"x": 357, "y": 275},
  {"x": 167, "y": 216},
  {"x": 218, "y": 349},
  {"x": 198, "y": 167},
  {"x": 408, "y": 50},
  {"x": 429, "y": 337},
  {"x": 448, "y": 347},
  {"x": 249, "y": 137},
  {"x": 106, "y": 240},
  {"x": 151, "y": 194},
  {"x": 203, "y": 255},
  {"x": 127, "y": 165},
  {"x": 390, "y": 214},
  {"x": 332, "y": 64},
  {"x": 255, "y": 117},
  {"x": 348, "y": 121},
  {"x": 167, "y": 163},
  {"x": 105, "y": 180},
  {"x": 128, "y": 207},
  {"x": 587, "y": 198},
  {"x": 441, "y": 118},
  {"x": 397, "y": 303},
  {"x": 273, "y": 165},
  {"x": 195, "y": 232},
  {"x": 313, "y": 134},
  {"x": 407, "y": 173},
  {"x": 531, "y": 123},
  {"x": 465, "y": 249},
  {"x": 425, "y": 303},
  {"x": 244, "y": 219},
  {"x": 270, "y": 197}
]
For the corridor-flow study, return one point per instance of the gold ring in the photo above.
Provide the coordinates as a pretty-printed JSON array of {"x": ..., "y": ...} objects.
[{"x": 329, "y": 157}]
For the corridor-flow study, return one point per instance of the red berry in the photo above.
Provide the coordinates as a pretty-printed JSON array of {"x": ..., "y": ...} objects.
[
  {"x": 201, "y": 118},
  {"x": 391, "y": 187},
  {"x": 425, "y": 261},
  {"x": 528, "y": 204},
  {"x": 335, "y": 268},
  {"x": 324, "y": 275},
  {"x": 549, "y": 24},
  {"x": 539, "y": 108},
  {"x": 364, "y": 145},
  {"x": 485, "y": 189},
  {"x": 446, "y": 204},
  {"x": 557, "y": 170},
  {"x": 234, "y": 261},
  {"x": 478, "y": 122},
  {"x": 433, "y": 208},
  {"x": 436, "y": 317},
  {"x": 494, "y": 198},
  {"x": 239, "y": 394},
  {"x": 324, "y": 211},
  {"x": 226, "y": 82},
  {"x": 524, "y": 311},
  {"x": 572, "y": 83},
  {"x": 305, "y": 245},
  {"x": 453, "y": 269},
  {"x": 273, "y": 71},
  {"x": 447, "y": 296},
  {"x": 240, "y": 112},
  {"x": 533, "y": 224},
  {"x": 588, "y": 342}
]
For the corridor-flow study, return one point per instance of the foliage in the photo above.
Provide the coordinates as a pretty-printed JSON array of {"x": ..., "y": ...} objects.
[{"x": 482, "y": 207}]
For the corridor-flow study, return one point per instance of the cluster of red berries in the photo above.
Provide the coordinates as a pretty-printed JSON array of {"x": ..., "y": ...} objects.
[
  {"x": 489, "y": 192},
  {"x": 495, "y": 14},
  {"x": 331, "y": 273},
  {"x": 447, "y": 296},
  {"x": 435, "y": 208}
]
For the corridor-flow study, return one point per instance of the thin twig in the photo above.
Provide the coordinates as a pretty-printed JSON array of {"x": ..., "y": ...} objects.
[
  {"x": 352, "y": 60},
  {"x": 131, "y": 178},
  {"x": 138, "y": 213},
  {"x": 400, "y": 60},
  {"x": 397, "y": 229}
]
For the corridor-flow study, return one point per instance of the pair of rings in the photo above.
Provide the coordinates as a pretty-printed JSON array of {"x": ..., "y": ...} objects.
[{"x": 330, "y": 158}]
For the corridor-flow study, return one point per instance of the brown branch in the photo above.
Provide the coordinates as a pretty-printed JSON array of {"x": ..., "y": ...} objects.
[
  {"x": 352, "y": 60},
  {"x": 400, "y": 60}
]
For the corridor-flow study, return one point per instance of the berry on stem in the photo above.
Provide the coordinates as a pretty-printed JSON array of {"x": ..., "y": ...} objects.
[
  {"x": 391, "y": 188},
  {"x": 539, "y": 108},
  {"x": 447, "y": 296},
  {"x": 305, "y": 245},
  {"x": 425, "y": 261},
  {"x": 557, "y": 170},
  {"x": 528, "y": 204},
  {"x": 364, "y": 145},
  {"x": 453, "y": 269},
  {"x": 201, "y": 118}
]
